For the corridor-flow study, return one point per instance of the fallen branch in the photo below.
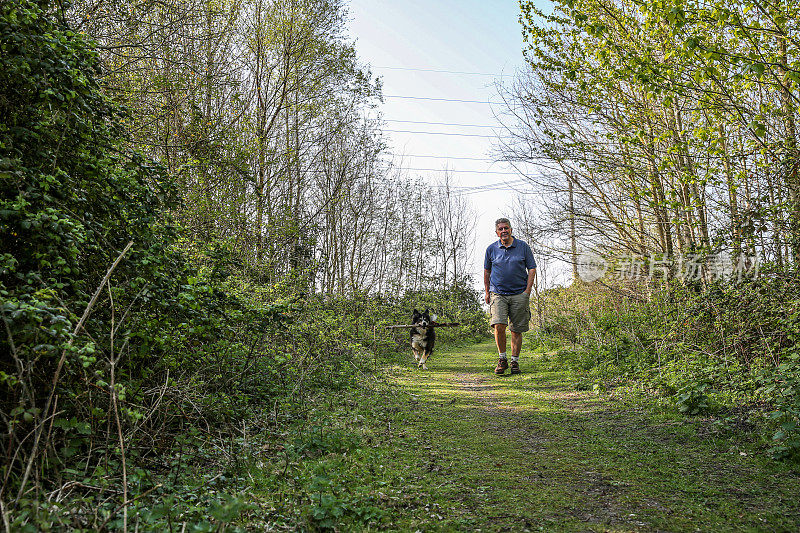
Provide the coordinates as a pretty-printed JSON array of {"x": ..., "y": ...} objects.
[
  {"x": 59, "y": 493},
  {"x": 433, "y": 325}
]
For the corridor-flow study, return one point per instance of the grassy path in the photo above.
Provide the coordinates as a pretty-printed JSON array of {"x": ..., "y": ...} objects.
[{"x": 529, "y": 452}]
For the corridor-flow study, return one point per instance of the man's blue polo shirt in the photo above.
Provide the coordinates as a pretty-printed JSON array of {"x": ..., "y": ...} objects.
[{"x": 509, "y": 266}]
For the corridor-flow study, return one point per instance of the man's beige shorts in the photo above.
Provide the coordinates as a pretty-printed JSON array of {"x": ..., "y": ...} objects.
[{"x": 513, "y": 307}]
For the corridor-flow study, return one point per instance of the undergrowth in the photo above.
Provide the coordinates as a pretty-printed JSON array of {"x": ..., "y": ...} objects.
[
  {"x": 139, "y": 366},
  {"x": 202, "y": 393},
  {"x": 729, "y": 349}
]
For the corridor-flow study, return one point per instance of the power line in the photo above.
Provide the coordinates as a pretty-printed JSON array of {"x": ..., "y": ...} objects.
[
  {"x": 443, "y": 99},
  {"x": 442, "y": 123},
  {"x": 438, "y": 70},
  {"x": 485, "y": 159},
  {"x": 466, "y": 193},
  {"x": 444, "y": 133},
  {"x": 446, "y": 157},
  {"x": 460, "y": 171},
  {"x": 509, "y": 186},
  {"x": 487, "y": 187}
]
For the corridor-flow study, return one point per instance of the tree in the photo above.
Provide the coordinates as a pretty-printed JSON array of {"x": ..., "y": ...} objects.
[{"x": 672, "y": 123}]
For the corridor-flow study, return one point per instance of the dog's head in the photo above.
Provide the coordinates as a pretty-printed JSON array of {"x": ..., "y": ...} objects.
[{"x": 422, "y": 319}]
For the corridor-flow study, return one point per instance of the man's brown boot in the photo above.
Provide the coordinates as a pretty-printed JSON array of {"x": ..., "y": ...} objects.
[
  {"x": 502, "y": 364},
  {"x": 514, "y": 367}
]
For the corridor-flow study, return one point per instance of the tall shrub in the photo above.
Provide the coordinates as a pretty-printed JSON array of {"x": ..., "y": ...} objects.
[{"x": 71, "y": 198}]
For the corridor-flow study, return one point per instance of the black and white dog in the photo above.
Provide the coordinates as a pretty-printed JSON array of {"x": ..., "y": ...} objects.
[{"x": 423, "y": 336}]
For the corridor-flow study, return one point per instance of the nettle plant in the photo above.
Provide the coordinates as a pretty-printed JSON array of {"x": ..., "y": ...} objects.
[{"x": 692, "y": 399}]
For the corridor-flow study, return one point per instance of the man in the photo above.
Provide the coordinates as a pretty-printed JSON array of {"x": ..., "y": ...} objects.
[{"x": 508, "y": 273}]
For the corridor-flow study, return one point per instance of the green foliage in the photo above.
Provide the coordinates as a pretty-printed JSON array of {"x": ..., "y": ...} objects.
[
  {"x": 164, "y": 330},
  {"x": 692, "y": 399},
  {"x": 70, "y": 199},
  {"x": 330, "y": 503},
  {"x": 782, "y": 386},
  {"x": 725, "y": 348},
  {"x": 635, "y": 100},
  {"x": 199, "y": 510},
  {"x": 609, "y": 330},
  {"x": 177, "y": 349}
]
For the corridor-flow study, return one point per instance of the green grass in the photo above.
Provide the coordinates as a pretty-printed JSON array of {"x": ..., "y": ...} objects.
[{"x": 458, "y": 448}]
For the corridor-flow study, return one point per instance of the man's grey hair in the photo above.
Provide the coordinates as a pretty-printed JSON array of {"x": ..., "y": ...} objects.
[{"x": 502, "y": 221}]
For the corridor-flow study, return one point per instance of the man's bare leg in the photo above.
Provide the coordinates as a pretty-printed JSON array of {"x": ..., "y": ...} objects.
[
  {"x": 516, "y": 343},
  {"x": 500, "y": 337},
  {"x": 516, "y": 346}
]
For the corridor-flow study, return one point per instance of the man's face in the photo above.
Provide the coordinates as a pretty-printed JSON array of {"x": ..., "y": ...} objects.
[{"x": 503, "y": 231}]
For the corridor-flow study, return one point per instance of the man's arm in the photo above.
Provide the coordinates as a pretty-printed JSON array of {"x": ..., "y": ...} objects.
[
  {"x": 487, "y": 274},
  {"x": 531, "y": 277},
  {"x": 530, "y": 262}
]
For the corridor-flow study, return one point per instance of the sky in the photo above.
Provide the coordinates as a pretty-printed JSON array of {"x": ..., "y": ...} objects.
[{"x": 440, "y": 62}]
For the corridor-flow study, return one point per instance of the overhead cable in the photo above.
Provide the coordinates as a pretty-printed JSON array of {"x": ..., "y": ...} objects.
[
  {"x": 444, "y": 133},
  {"x": 437, "y": 70},
  {"x": 443, "y": 123},
  {"x": 454, "y": 171},
  {"x": 446, "y": 157},
  {"x": 442, "y": 99}
]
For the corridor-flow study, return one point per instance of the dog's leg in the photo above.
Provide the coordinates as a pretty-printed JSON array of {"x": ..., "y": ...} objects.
[{"x": 423, "y": 360}]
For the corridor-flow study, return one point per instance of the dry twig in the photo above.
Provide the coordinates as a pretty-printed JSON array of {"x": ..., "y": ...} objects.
[{"x": 59, "y": 366}]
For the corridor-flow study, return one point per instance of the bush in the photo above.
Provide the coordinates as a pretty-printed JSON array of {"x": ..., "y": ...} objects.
[
  {"x": 71, "y": 199},
  {"x": 108, "y": 379},
  {"x": 782, "y": 387},
  {"x": 132, "y": 359},
  {"x": 729, "y": 344}
]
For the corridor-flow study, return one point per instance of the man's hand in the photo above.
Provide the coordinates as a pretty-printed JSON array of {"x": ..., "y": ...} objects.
[{"x": 487, "y": 298}]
